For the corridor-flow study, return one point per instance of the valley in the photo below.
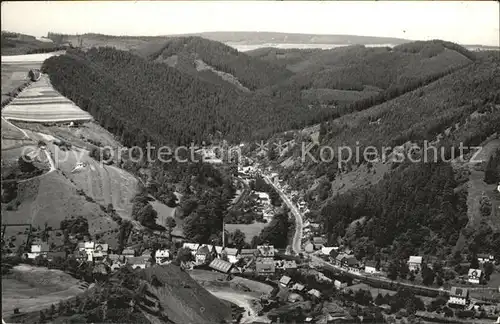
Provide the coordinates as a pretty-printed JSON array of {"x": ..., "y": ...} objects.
[{"x": 312, "y": 215}]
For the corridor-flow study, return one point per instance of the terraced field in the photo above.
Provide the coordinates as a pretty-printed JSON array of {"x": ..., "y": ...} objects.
[{"x": 39, "y": 102}]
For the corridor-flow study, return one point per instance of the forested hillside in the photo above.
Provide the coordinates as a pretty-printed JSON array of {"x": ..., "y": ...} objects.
[
  {"x": 361, "y": 70},
  {"x": 415, "y": 208},
  {"x": 125, "y": 92},
  {"x": 251, "y": 72}
]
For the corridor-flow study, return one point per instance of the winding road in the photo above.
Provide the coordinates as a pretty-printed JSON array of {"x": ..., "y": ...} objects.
[{"x": 297, "y": 238}]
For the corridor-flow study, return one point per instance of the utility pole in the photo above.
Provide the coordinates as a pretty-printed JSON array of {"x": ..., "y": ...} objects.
[{"x": 223, "y": 234}]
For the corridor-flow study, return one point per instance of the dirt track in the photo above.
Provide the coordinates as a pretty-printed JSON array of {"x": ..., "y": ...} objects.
[{"x": 242, "y": 300}]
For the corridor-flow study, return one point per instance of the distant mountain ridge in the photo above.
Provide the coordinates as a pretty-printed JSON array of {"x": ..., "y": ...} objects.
[{"x": 275, "y": 37}]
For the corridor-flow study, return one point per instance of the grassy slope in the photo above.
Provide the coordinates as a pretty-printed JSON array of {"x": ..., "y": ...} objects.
[
  {"x": 183, "y": 299},
  {"x": 31, "y": 288}
]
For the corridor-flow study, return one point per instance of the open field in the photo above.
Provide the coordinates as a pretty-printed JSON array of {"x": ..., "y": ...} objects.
[
  {"x": 39, "y": 102},
  {"x": 250, "y": 230},
  {"x": 105, "y": 184},
  {"x": 29, "y": 58},
  {"x": 32, "y": 288},
  {"x": 52, "y": 198}
]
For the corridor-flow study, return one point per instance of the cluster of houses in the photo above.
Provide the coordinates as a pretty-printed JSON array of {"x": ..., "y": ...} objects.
[{"x": 94, "y": 252}]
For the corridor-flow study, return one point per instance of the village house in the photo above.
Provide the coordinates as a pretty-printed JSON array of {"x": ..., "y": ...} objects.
[
  {"x": 340, "y": 284},
  {"x": 289, "y": 264},
  {"x": 162, "y": 256},
  {"x": 339, "y": 259},
  {"x": 415, "y": 263},
  {"x": 203, "y": 255},
  {"x": 265, "y": 268},
  {"x": 128, "y": 253},
  {"x": 80, "y": 256},
  {"x": 221, "y": 265},
  {"x": 458, "y": 296},
  {"x": 39, "y": 249},
  {"x": 231, "y": 254},
  {"x": 370, "y": 267},
  {"x": 318, "y": 242},
  {"x": 100, "y": 252},
  {"x": 285, "y": 280},
  {"x": 193, "y": 247},
  {"x": 248, "y": 254},
  {"x": 483, "y": 258},
  {"x": 474, "y": 276},
  {"x": 298, "y": 287},
  {"x": 218, "y": 251},
  {"x": 315, "y": 293},
  {"x": 333, "y": 255},
  {"x": 266, "y": 251},
  {"x": 140, "y": 262},
  {"x": 325, "y": 251}
]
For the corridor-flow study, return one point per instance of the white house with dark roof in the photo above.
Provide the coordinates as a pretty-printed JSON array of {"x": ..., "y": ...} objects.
[
  {"x": 100, "y": 251},
  {"x": 370, "y": 267},
  {"x": 474, "y": 276},
  {"x": 483, "y": 258},
  {"x": 415, "y": 263},
  {"x": 162, "y": 256},
  {"x": 266, "y": 251},
  {"x": 232, "y": 254}
]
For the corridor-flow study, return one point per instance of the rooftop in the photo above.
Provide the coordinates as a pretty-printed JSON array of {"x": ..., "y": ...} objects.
[
  {"x": 415, "y": 259},
  {"x": 220, "y": 265},
  {"x": 459, "y": 292}
]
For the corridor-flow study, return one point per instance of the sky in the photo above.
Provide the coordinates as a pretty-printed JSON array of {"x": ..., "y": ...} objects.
[{"x": 467, "y": 22}]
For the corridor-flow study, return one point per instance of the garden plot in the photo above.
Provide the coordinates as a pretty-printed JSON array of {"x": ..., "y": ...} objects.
[{"x": 39, "y": 102}]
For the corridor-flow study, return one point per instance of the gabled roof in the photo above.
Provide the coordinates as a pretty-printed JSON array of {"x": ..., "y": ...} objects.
[
  {"x": 191, "y": 246},
  {"x": 231, "y": 251},
  {"x": 314, "y": 292},
  {"x": 415, "y": 259},
  {"x": 138, "y": 260},
  {"x": 218, "y": 249},
  {"x": 162, "y": 253},
  {"x": 128, "y": 252},
  {"x": 203, "y": 251},
  {"x": 285, "y": 280},
  {"x": 266, "y": 250},
  {"x": 340, "y": 257},
  {"x": 289, "y": 264},
  {"x": 221, "y": 265},
  {"x": 101, "y": 247},
  {"x": 459, "y": 292},
  {"x": 248, "y": 252},
  {"x": 351, "y": 260},
  {"x": 370, "y": 263},
  {"x": 318, "y": 240},
  {"x": 327, "y": 250},
  {"x": 298, "y": 287},
  {"x": 265, "y": 266}
]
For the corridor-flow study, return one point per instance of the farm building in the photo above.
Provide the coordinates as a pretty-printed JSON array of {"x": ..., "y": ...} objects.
[
  {"x": 221, "y": 265},
  {"x": 458, "y": 296},
  {"x": 285, "y": 280},
  {"x": 265, "y": 268},
  {"x": 266, "y": 251},
  {"x": 415, "y": 263},
  {"x": 231, "y": 254},
  {"x": 202, "y": 255},
  {"x": 370, "y": 267},
  {"x": 248, "y": 253}
]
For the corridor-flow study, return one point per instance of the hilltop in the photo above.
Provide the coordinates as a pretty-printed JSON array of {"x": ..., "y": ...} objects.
[{"x": 188, "y": 53}]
